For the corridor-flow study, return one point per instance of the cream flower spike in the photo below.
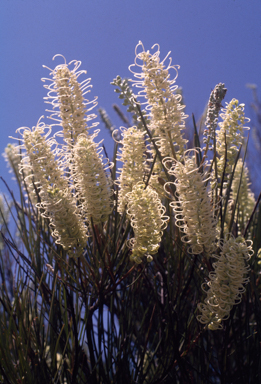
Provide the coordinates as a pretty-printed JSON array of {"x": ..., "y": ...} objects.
[
  {"x": 193, "y": 209},
  {"x": 56, "y": 198},
  {"x": 66, "y": 95},
  {"x": 231, "y": 135},
  {"x": 134, "y": 166},
  {"x": 163, "y": 106},
  {"x": 147, "y": 220},
  {"x": 13, "y": 157},
  {"x": 226, "y": 284},
  {"x": 246, "y": 198},
  {"x": 91, "y": 181}
]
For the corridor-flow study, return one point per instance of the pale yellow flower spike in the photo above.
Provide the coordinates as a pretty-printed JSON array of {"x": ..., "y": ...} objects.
[
  {"x": 147, "y": 220},
  {"x": 56, "y": 198},
  {"x": 13, "y": 156},
  {"x": 134, "y": 163},
  {"x": 193, "y": 209},
  {"x": 164, "y": 108},
  {"x": 246, "y": 199},
  {"x": 226, "y": 284},
  {"x": 90, "y": 179},
  {"x": 230, "y": 136},
  {"x": 66, "y": 95}
]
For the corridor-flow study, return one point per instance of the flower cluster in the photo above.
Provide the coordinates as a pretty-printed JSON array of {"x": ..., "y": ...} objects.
[
  {"x": 73, "y": 189},
  {"x": 66, "y": 95},
  {"x": 226, "y": 283},
  {"x": 147, "y": 220},
  {"x": 164, "y": 106},
  {"x": 70, "y": 178},
  {"x": 230, "y": 136},
  {"x": 13, "y": 157},
  {"x": 242, "y": 193},
  {"x": 162, "y": 205},
  {"x": 90, "y": 179},
  {"x": 134, "y": 166},
  {"x": 193, "y": 208},
  {"x": 57, "y": 200}
]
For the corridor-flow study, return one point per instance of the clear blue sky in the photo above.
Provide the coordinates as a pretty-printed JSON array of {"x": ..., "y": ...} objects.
[{"x": 212, "y": 40}]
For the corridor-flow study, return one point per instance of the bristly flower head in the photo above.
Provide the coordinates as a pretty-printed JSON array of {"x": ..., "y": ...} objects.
[
  {"x": 56, "y": 198},
  {"x": 66, "y": 95},
  {"x": 214, "y": 106},
  {"x": 226, "y": 283},
  {"x": 13, "y": 157},
  {"x": 230, "y": 136},
  {"x": 164, "y": 108},
  {"x": 193, "y": 209},
  {"x": 91, "y": 182},
  {"x": 246, "y": 199},
  {"x": 134, "y": 163},
  {"x": 25, "y": 178},
  {"x": 147, "y": 220}
]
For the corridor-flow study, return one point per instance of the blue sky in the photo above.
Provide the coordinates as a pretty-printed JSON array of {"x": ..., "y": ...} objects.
[{"x": 212, "y": 40}]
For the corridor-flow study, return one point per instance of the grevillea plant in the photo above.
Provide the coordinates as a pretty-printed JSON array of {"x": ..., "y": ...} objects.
[{"x": 140, "y": 269}]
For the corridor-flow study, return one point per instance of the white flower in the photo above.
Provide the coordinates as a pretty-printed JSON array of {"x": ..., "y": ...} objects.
[
  {"x": 193, "y": 209},
  {"x": 91, "y": 182},
  {"x": 226, "y": 283},
  {"x": 246, "y": 199},
  {"x": 147, "y": 220},
  {"x": 230, "y": 136},
  {"x": 57, "y": 200},
  {"x": 134, "y": 166},
  {"x": 164, "y": 108},
  {"x": 66, "y": 95}
]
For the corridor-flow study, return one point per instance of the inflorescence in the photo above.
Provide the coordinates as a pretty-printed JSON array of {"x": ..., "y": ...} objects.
[{"x": 69, "y": 183}]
